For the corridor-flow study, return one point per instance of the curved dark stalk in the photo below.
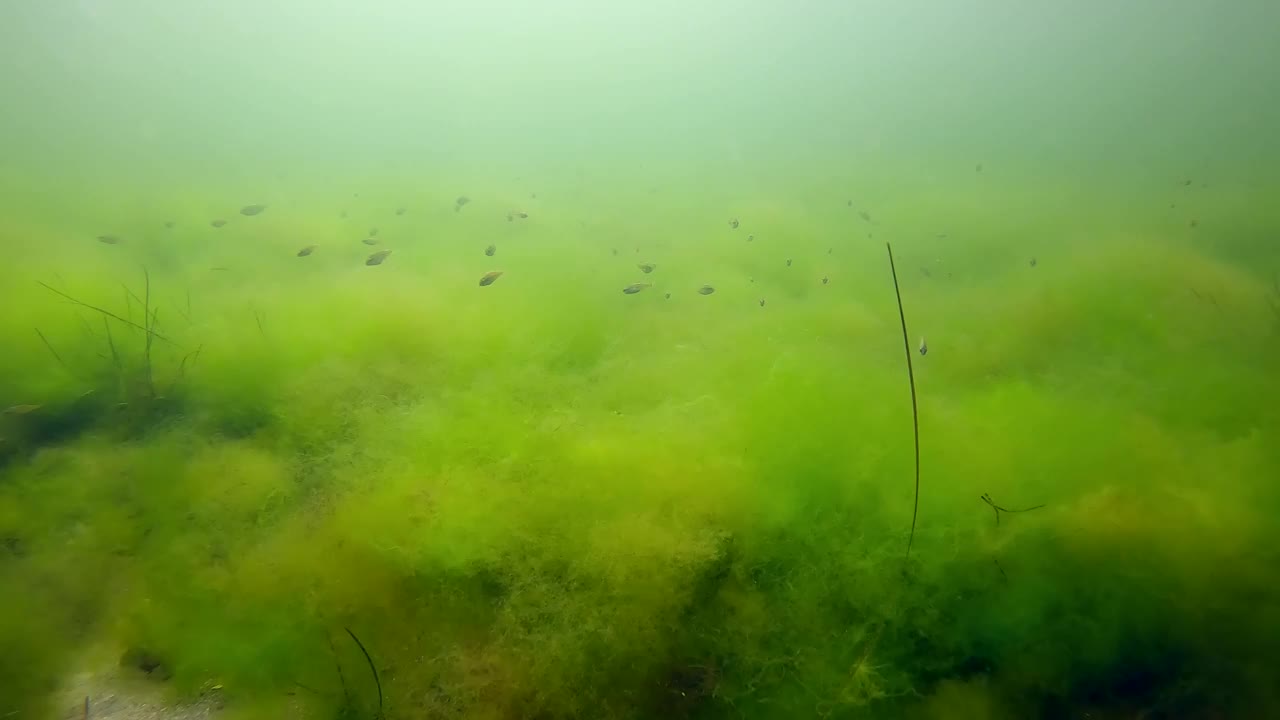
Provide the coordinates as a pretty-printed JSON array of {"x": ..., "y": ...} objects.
[
  {"x": 915, "y": 413},
  {"x": 372, "y": 669}
]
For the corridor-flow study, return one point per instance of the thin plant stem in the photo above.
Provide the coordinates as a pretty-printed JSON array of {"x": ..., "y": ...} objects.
[{"x": 915, "y": 413}]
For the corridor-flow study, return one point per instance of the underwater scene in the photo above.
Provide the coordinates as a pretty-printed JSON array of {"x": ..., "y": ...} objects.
[{"x": 707, "y": 360}]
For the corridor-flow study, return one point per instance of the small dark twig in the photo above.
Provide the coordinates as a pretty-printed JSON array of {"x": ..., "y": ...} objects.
[
  {"x": 372, "y": 669},
  {"x": 149, "y": 318},
  {"x": 258, "y": 317},
  {"x": 997, "y": 562},
  {"x": 346, "y": 697},
  {"x": 986, "y": 498},
  {"x": 52, "y": 351},
  {"x": 111, "y": 343}
]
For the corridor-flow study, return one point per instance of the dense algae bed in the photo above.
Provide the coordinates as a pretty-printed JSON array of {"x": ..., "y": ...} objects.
[{"x": 546, "y": 498}]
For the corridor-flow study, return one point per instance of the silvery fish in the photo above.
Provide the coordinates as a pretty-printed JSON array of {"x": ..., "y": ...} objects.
[
  {"x": 924, "y": 347},
  {"x": 634, "y": 288}
]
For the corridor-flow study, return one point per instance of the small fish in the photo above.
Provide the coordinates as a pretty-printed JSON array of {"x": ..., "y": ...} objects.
[
  {"x": 825, "y": 279},
  {"x": 491, "y": 250},
  {"x": 829, "y": 250},
  {"x": 377, "y": 258},
  {"x": 22, "y": 409},
  {"x": 490, "y": 277},
  {"x": 168, "y": 224},
  {"x": 306, "y": 251},
  {"x": 706, "y": 290},
  {"x": 733, "y": 223},
  {"x": 1187, "y": 183},
  {"x": 924, "y": 347},
  {"x": 761, "y": 302},
  {"x": 462, "y": 200},
  {"x": 251, "y": 210},
  {"x": 864, "y": 215},
  {"x": 978, "y": 168},
  {"x": 647, "y": 268},
  {"x": 615, "y": 251},
  {"x": 217, "y": 223},
  {"x": 668, "y": 296},
  {"x": 373, "y": 232},
  {"x": 512, "y": 215},
  {"x": 1194, "y": 224},
  {"x": 925, "y": 272},
  {"x": 400, "y": 211},
  {"x": 109, "y": 239},
  {"x": 634, "y": 288},
  {"x": 1033, "y": 262},
  {"x": 750, "y": 238},
  {"x": 849, "y": 204},
  {"x": 788, "y": 262},
  {"x": 370, "y": 241}
]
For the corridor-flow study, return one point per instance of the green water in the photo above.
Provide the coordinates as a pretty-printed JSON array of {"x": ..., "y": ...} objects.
[{"x": 545, "y": 498}]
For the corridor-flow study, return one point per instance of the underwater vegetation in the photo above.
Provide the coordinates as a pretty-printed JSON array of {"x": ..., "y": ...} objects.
[
  {"x": 707, "y": 360},
  {"x": 279, "y": 487}
]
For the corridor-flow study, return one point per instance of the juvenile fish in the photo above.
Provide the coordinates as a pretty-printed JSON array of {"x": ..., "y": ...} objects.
[
  {"x": 109, "y": 239},
  {"x": 733, "y": 223},
  {"x": 377, "y": 258},
  {"x": 22, "y": 409},
  {"x": 647, "y": 268},
  {"x": 491, "y": 250},
  {"x": 462, "y": 200},
  {"x": 400, "y": 211},
  {"x": 864, "y": 215},
  {"x": 924, "y": 347},
  {"x": 634, "y": 288},
  {"x": 706, "y": 290},
  {"x": 490, "y": 278},
  {"x": 369, "y": 241},
  {"x": 306, "y": 251},
  {"x": 251, "y": 210},
  {"x": 218, "y": 223},
  {"x": 373, "y": 232}
]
